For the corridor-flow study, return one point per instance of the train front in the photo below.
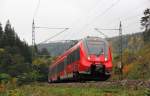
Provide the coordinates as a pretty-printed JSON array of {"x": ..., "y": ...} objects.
[{"x": 98, "y": 57}]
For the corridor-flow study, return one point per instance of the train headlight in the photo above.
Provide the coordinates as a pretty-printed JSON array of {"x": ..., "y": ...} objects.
[
  {"x": 106, "y": 59},
  {"x": 88, "y": 58}
]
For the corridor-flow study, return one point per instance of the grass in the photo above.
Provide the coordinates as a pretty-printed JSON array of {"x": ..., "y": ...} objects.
[{"x": 43, "y": 89}]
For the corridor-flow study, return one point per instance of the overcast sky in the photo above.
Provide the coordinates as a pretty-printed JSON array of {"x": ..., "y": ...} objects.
[{"x": 81, "y": 16}]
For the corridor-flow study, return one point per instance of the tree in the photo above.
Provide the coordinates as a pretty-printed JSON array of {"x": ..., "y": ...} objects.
[
  {"x": 15, "y": 55},
  {"x": 9, "y": 35},
  {"x": 5, "y": 61},
  {"x": 1, "y": 30},
  {"x": 145, "y": 22},
  {"x": 1, "y": 35},
  {"x": 41, "y": 65},
  {"x": 14, "y": 45}
]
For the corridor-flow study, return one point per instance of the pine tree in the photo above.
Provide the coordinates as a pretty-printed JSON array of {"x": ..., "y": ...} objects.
[
  {"x": 1, "y": 35},
  {"x": 1, "y": 30},
  {"x": 9, "y": 35},
  {"x": 15, "y": 58},
  {"x": 145, "y": 22}
]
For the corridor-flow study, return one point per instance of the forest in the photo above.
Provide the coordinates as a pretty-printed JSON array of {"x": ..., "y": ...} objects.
[{"x": 16, "y": 59}]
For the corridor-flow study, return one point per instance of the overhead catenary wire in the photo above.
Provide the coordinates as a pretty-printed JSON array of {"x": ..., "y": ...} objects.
[
  {"x": 101, "y": 14},
  {"x": 131, "y": 18},
  {"x": 101, "y": 32},
  {"x": 130, "y": 25},
  {"x": 89, "y": 11},
  {"x": 50, "y": 28},
  {"x": 41, "y": 27},
  {"x": 98, "y": 15},
  {"x": 136, "y": 8},
  {"x": 123, "y": 19},
  {"x": 128, "y": 19},
  {"x": 54, "y": 36}
]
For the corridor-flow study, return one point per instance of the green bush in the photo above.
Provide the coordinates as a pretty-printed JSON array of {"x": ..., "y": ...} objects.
[
  {"x": 28, "y": 77},
  {"x": 4, "y": 78},
  {"x": 147, "y": 92}
]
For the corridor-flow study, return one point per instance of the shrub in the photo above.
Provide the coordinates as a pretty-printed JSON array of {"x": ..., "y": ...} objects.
[
  {"x": 4, "y": 78},
  {"x": 28, "y": 77},
  {"x": 147, "y": 92}
]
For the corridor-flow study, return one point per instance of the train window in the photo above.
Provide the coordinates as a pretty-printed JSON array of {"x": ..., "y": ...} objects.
[
  {"x": 65, "y": 62},
  {"x": 68, "y": 59},
  {"x": 52, "y": 71},
  {"x": 96, "y": 47},
  {"x": 49, "y": 74},
  {"x": 60, "y": 67},
  {"x": 72, "y": 57},
  {"x": 78, "y": 54}
]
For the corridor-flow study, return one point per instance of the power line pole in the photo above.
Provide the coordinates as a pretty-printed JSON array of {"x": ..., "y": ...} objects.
[
  {"x": 33, "y": 33},
  {"x": 120, "y": 38},
  {"x": 33, "y": 38},
  {"x": 120, "y": 65}
]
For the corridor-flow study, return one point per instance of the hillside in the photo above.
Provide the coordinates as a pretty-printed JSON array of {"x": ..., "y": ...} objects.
[
  {"x": 126, "y": 41},
  {"x": 57, "y": 48}
]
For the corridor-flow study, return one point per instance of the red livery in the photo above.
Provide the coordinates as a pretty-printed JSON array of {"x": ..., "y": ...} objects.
[{"x": 89, "y": 59}]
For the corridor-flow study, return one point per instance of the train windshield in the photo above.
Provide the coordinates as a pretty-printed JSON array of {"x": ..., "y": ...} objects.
[{"x": 96, "y": 47}]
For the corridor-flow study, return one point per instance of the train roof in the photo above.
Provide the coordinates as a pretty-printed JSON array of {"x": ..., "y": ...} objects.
[{"x": 92, "y": 38}]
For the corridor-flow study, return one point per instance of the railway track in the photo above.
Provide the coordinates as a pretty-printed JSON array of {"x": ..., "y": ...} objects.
[{"x": 100, "y": 84}]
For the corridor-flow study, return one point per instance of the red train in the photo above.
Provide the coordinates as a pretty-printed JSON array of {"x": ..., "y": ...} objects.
[{"x": 89, "y": 59}]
